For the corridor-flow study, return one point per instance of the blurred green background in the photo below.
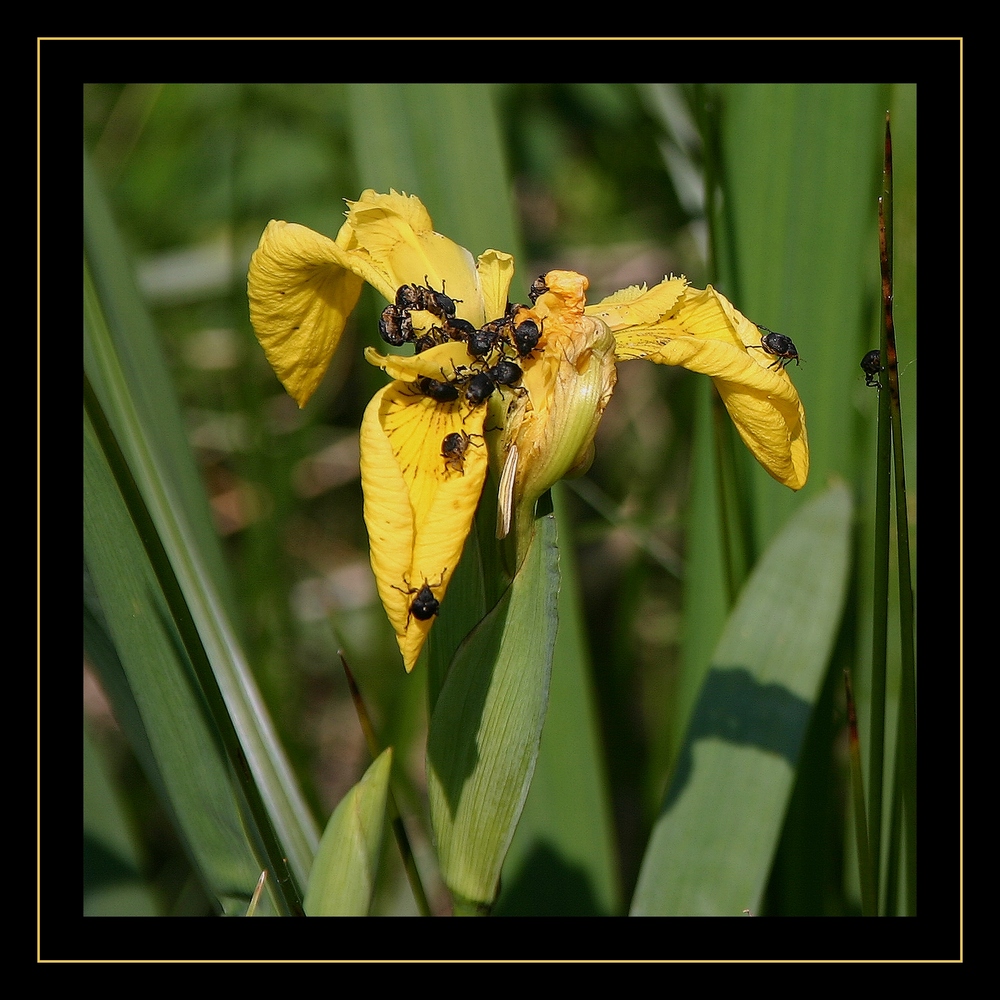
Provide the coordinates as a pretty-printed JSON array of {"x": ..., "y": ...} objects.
[{"x": 606, "y": 179}]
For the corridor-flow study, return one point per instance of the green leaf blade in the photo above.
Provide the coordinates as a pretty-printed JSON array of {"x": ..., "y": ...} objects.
[
  {"x": 563, "y": 860},
  {"x": 725, "y": 806},
  {"x": 342, "y": 880},
  {"x": 486, "y": 727}
]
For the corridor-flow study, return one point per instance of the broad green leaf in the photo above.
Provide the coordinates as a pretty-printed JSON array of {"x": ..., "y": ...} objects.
[
  {"x": 712, "y": 846},
  {"x": 562, "y": 861},
  {"x": 343, "y": 875},
  {"x": 485, "y": 730}
]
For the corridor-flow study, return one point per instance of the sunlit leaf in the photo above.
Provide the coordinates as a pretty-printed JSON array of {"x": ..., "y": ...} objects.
[
  {"x": 486, "y": 725},
  {"x": 343, "y": 875},
  {"x": 712, "y": 846}
]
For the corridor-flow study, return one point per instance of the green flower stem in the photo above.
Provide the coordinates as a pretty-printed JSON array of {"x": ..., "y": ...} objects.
[{"x": 869, "y": 897}]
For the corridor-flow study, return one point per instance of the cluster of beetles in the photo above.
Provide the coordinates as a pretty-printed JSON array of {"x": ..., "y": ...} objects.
[{"x": 497, "y": 346}]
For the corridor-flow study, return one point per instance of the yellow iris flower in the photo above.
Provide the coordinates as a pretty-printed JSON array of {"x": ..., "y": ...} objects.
[{"x": 425, "y": 446}]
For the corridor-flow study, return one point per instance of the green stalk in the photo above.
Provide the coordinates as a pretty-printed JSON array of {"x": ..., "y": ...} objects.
[
  {"x": 866, "y": 871},
  {"x": 907, "y": 729},
  {"x": 880, "y": 589}
]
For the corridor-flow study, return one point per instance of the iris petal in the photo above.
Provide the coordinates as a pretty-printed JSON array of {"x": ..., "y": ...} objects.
[
  {"x": 637, "y": 304},
  {"x": 301, "y": 294},
  {"x": 702, "y": 331},
  {"x": 496, "y": 271},
  {"x": 419, "y": 504},
  {"x": 392, "y": 239}
]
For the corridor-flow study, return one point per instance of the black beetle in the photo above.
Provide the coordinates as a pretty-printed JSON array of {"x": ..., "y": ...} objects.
[
  {"x": 394, "y": 326},
  {"x": 425, "y": 605},
  {"x": 453, "y": 449},
  {"x": 871, "y": 365},
  {"x": 459, "y": 329},
  {"x": 479, "y": 388},
  {"x": 526, "y": 336},
  {"x": 434, "y": 337},
  {"x": 505, "y": 372},
  {"x": 443, "y": 392},
  {"x": 538, "y": 287},
  {"x": 489, "y": 336},
  {"x": 481, "y": 342},
  {"x": 411, "y": 297},
  {"x": 779, "y": 345},
  {"x": 437, "y": 302}
]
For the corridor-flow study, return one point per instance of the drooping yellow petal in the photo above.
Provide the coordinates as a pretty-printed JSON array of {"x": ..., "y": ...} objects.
[
  {"x": 302, "y": 286},
  {"x": 705, "y": 333},
  {"x": 301, "y": 291},
  {"x": 419, "y": 499}
]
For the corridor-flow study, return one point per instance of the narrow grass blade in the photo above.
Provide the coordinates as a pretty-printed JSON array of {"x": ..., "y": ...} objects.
[
  {"x": 712, "y": 846},
  {"x": 880, "y": 549},
  {"x": 880, "y": 624},
  {"x": 486, "y": 726},
  {"x": 866, "y": 871},
  {"x": 906, "y": 742},
  {"x": 342, "y": 880}
]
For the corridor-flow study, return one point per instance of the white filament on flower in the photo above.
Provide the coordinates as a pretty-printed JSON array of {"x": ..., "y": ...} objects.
[{"x": 505, "y": 496}]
